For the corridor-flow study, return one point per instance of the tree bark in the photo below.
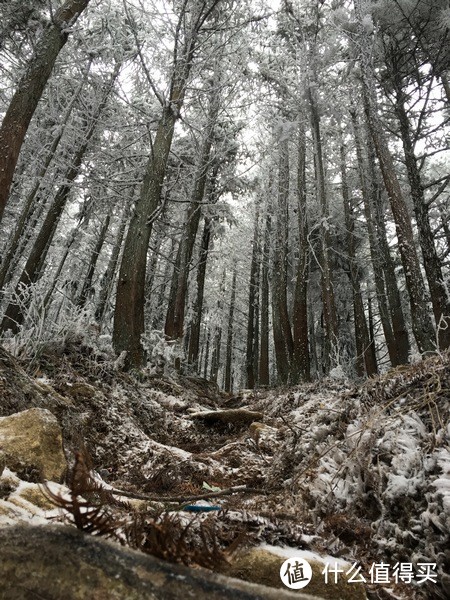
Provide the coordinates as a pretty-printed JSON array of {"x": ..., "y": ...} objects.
[
  {"x": 67, "y": 247},
  {"x": 366, "y": 182},
  {"x": 329, "y": 306},
  {"x": 215, "y": 356},
  {"x": 282, "y": 334},
  {"x": 204, "y": 355},
  {"x": 111, "y": 269},
  {"x": 446, "y": 85},
  {"x": 87, "y": 284},
  {"x": 129, "y": 322},
  {"x": 252, "y": 302},
  {"x": 29, "y": 91},
  {"x": 365, "y": 351},
  {"x": 174, "y": 326},
  {"x": 217, "y": 341},
  {"x": 14, "y": 243},
  {"x": 194, "y": 340},
  {"x": 228, "y": 378},
  {"x": 130, "y": 296},
  {"x": 263, "y": 368},
  {"x": 300, "y": 368},
  {"x": 399, "y": 328}
]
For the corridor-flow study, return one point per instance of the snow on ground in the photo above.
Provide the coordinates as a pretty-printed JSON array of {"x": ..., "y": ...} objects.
[{"x": 355, "y": 474}]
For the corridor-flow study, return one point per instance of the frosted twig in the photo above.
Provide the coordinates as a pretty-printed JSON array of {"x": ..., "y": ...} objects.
[{"x": 182, "y": 499}]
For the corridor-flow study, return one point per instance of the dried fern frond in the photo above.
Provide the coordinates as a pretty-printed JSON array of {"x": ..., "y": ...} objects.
[
  {"x": 199, "y": 542},
  {"x": 171, "y": 539},
  {"x": 87, "y": 502}
]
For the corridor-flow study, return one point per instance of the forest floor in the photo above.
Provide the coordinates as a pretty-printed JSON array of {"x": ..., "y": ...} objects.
[{"x": 355, "y": 472}]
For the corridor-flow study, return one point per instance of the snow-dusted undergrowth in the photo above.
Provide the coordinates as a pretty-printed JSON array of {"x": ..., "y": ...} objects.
[{"x": 361, "y": 473}]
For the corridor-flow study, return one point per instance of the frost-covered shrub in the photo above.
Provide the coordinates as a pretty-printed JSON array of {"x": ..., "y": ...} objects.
[{"x": 161, "y": 353}]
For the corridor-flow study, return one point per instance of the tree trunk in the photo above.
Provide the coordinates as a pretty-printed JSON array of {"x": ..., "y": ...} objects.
[
  {"x": 230, "y": 335},
  {"x": 87, "y": 284},
  {"x": 446, "y": 85},
  {"x": 421, "y": 321},
  {"x": 252, "y": 302},
  {"x": 301, "y": 369},
  {"x": 177, "y": 302},
  {"x": 367, "y": 188},
  {"x": 68, "y": 245},
  {"x": 130, "y": 296},
  {"x": 365, "y": 354},
  {"x": 371, "y": 328},
  {"x": 399, "y": 329},
  {"x": 29, "y": 91},
  {"x": 263, "y": 368},
  {"x": 12, "y": 250},
  {"x": 14, "y": 314},
  {"x": 329, "y": 306},
  {"x": 215, "y": 357},
  {"x": 151, "y": 287},
  {"x": 157, "y": 309},
  {"x": 282, "y": 334},
  {"x": 111, "y": 269},
  {"x": 194, "y": 340},
  {"x": 444, "y": 218},
  {"x": 217, "y": 341},
  {"x": 431, "y": 262},
  {"x": 129, "y": 322},
  {"x": 204, "y": 355},
  {"x": 315, "y": 370}
]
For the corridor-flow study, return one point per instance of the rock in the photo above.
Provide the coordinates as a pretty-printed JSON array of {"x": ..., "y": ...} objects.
[
  {"x": 258, "y": 431},
  {"x": 34, "y": 495},
  {"x": 78, "y": 390},
  {"x": 31, "y": 445},
  {"x": 61, "y": 562},
  {"x": 8, "y": 483},
  {"x": 234, "y": 416},
  {"x": 262, "y": 566},
  {"x": 24, "y": 502}
]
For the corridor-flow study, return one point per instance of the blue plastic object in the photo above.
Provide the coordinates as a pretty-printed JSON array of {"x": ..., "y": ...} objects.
[{"x": 197, "y": 508}]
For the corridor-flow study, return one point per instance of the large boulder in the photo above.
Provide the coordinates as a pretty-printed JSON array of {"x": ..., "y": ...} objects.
[
  {"x": 31, "y": 445},
  {"x": 61, "y": 562},
  {"x": 262, "y": 566}
]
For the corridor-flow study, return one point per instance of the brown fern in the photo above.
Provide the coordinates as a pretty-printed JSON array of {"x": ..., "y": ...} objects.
[
  {"x": 168, "y": 538},
  {"x": 165, "y": 536},
  {"x": 87, "y": 503}
]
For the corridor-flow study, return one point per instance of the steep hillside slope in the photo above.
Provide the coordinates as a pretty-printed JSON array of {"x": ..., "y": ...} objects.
[{"x": 354, "y": 473}]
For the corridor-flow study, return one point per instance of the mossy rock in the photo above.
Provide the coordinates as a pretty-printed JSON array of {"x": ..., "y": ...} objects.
[
  {"x": 61, "y": 562},
  {"x": 263, "y": 567},
  {"x": 31, "y": 445},
  {"x": 34, "y": 495}
]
